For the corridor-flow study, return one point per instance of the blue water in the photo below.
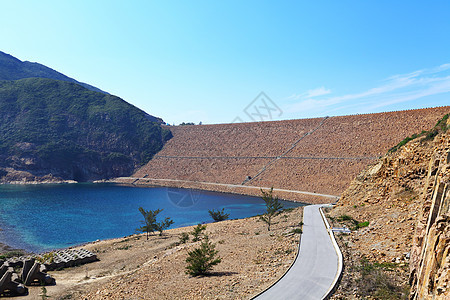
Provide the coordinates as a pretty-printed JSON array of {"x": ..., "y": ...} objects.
[{"x": 44, "y": 217}]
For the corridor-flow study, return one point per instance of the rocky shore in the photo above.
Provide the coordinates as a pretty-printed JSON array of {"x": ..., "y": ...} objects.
[{"x": 5, "y": 248}]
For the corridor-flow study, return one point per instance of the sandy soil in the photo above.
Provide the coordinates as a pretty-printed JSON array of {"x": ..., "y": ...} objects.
[{"x": 135, "y": 268}]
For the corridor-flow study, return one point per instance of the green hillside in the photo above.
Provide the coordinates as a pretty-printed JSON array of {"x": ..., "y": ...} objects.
[
  {"x": 12, "y": 68},
  {"x": 60, "y": 128}
]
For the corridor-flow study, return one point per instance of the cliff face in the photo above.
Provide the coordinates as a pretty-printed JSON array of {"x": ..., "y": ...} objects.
[
  {"x": 387, "y": 195},
  {"x": 405, "y": 198},
  {"x": 430, "y": 255}
]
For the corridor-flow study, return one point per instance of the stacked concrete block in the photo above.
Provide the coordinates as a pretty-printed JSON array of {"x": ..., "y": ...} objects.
[
  {"x": 69, "y": 258},
  {"x": 10, "y": 284}
]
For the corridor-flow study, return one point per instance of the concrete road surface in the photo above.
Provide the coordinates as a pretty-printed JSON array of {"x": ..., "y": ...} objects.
[{"x": 315, "y": 267}]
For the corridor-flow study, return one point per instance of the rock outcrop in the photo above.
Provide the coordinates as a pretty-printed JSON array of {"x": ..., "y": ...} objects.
[
  {"x": 430, "y": 255},
  {"x": 405, "y": 198}
]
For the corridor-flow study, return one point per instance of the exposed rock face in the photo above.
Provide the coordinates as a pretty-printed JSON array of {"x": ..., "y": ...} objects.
[
  {"x": 386, "y": 195},
  {"x": 430, "y": 255},
  {"x": 406, "y": 192}
]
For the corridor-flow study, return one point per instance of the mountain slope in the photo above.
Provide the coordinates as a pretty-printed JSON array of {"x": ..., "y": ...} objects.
[
  {"x": 401, "y": 207},
  {"x": 12, "y": 68},
  {"x": 51, "y": 128}
]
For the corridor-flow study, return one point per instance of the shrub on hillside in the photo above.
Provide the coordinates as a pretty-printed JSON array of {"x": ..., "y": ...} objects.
[
  {"x": 201, "y": 260},
  {"x": 273, "y": 207},
  {"x": 218, "y": 215},
  {"x": 197, "y": 232}
]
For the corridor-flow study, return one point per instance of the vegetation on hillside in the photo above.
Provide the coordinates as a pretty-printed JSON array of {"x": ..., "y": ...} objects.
[
  {"x": 12, "y": 68},
  {"x": 150, "y": 224},
  {"x": 441, "y": 126},
  {"x": 202, "y": 259},
  {"x": 50, "y": 126},
  {"x": 273, "y": 207}
]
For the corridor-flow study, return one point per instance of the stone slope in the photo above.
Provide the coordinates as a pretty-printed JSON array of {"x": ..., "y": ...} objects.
[
  {"x": 323, "y": 161},
  {"x": 405, "y": 200},
  {"x": 430, "y": 255}
]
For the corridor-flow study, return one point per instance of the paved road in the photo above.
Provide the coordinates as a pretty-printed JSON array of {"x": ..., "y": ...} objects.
[{"x": 316, "y": 266}]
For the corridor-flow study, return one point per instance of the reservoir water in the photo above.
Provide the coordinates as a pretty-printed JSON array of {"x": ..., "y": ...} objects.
[{"x": 44, "y": 217}]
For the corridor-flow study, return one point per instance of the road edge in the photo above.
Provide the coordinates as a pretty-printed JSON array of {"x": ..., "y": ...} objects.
[
  {"x": 290, "y": 267},
  {"x": 338, "y": 276}
]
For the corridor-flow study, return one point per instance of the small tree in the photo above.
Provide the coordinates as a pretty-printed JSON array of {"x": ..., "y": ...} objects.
[
  {"x": 184, "y": 238},
  {"x": 218, "y": 215},
  {"x": 201, "y": 260},
  {"x": 273, "y": 207},
  {"x": 198, "y": 230},
  {"x": 163, "y": 225},
  {"x": 149, "y": 222}
]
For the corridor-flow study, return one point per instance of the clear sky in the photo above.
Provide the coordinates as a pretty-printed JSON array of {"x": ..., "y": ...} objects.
[{"x": 207, "y": 61}]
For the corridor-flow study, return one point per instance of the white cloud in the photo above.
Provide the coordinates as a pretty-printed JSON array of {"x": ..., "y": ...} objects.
[
  {"x": 311, "y": 93},
  {"x": 393, "y": 90}
]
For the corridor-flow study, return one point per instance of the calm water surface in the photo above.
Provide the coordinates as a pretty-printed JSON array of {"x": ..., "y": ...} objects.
[{"x": 43, "y": 217}]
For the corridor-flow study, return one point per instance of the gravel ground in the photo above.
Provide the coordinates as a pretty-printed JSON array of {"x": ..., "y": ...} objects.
[{"x": 132, "y": 267}]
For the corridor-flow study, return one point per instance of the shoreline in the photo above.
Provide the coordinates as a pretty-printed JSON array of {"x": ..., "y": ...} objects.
[
  {"x": 35, "y": 182},
  {"x": 5, "y": 247},
  {"x": 245, "y": 190},
  {"x": 283, "y": 194},
  {"x": 134, "y": 266},
  {"x": 253, "y": 258}
]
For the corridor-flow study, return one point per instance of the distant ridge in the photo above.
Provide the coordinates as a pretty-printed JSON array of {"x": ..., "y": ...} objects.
[
  {"x": 54, "y": 130},
  {"x": 12, "y": 68}
]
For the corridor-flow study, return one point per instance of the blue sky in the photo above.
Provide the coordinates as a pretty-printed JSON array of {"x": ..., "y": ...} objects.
[{"x": 207, "y": 61}]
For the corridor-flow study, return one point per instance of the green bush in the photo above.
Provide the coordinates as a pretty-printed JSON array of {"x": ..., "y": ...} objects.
[
  {"x": 201, "y": 260},
  {"x": 345, "y": 218},
  {"x": 362, "y": 224},
  {"x": 161, "y": 226},
  {"x": 10, "y": 254},
  {"x": 184, "y": 238},
  {"x": 218, "y": 215},
  {"x": 197, "y": 232},
  {"x": 375, "y": 283}
]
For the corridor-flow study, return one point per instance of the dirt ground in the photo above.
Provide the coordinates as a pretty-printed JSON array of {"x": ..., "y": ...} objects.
[{"x": 135, "y": 268}]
